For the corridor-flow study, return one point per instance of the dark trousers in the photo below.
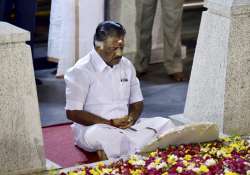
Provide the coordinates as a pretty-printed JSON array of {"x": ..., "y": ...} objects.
[{"x": 25, "y": 15}]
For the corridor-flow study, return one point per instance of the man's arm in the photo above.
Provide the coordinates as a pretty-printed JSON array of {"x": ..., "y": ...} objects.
[
  {"x": 86, "y": 118},
  {"x": 135, "y": 110}
]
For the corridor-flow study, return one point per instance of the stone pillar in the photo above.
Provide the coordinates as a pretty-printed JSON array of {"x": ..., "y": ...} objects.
[
  {"x": 125, "y": 13},
  {"x": 21, "y": 144},
  {"x": 219, "y": 88}
]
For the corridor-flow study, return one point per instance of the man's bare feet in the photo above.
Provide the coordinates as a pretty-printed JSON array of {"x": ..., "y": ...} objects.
[
  {"x": 178, "y": 76},
  {"x": 101, "y": 154}
]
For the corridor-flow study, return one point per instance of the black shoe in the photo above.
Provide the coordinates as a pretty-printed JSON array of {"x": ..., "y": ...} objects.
[
  {"x": 140, "y": 74},
  {"x": 178, "y": 76}
]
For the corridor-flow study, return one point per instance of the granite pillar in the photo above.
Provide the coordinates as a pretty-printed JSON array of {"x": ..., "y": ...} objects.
[
  {"x": 21, "y": 143},
  {"x": 219, "y": 87}
]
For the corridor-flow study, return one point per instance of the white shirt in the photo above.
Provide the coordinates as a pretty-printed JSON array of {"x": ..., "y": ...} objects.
[{"x": 95, "y": 87}]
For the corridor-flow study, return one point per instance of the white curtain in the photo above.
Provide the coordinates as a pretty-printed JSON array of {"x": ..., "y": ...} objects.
[{"x": 65, "y": 38}]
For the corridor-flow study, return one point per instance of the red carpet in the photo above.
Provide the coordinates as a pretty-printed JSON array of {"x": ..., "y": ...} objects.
[{"x": 59, "y": 147}]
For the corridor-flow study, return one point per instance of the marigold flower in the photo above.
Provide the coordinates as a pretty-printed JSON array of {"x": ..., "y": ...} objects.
[
  {"x": 136, "y": 172},
  {"x": 188, "y": 157},
  {"x": 203, "y": 169}
]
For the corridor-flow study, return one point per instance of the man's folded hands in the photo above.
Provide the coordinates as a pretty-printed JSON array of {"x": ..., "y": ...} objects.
[{"x": 123, "y": 122}]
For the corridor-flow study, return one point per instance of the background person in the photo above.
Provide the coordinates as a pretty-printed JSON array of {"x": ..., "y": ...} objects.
[{"x": 171, "y": 25}]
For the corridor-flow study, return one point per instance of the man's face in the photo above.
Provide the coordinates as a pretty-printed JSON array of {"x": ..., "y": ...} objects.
[{"x": 113, "y": 50}]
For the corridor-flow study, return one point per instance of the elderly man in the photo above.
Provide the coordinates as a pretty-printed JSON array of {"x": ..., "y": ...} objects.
[{"x": 104, "y": 99}]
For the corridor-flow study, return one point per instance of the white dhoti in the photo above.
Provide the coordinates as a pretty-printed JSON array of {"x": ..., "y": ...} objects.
[{"x": 117, "y": 142}]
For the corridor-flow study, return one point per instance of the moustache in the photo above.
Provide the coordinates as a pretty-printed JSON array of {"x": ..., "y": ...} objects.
[{"x": 118, "y": 57}]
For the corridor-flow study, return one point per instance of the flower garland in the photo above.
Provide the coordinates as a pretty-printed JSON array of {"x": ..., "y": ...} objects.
[{"x": 227, "y": 156}]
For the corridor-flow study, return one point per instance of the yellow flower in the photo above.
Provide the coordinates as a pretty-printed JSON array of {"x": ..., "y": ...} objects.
[
  {"x": 235, "y": 146},
  {"x": 53, "y": 172},
  {"x": 207, "y": 144},
  {"x": 100, "y": 164},
  {"x": 231, "y": 173},
  {"x": 95, "y": 171},
  {"x": 136, "y": 172},
  {"x": 213, "y": 151},
  {"x": 172, "y": 159},
  {"x": 106, "y": 170},
  {"x": 153, "y": 154},
  {"x": 203, "y": 169},
  {"x": 133, "y": 159},
  {"x": 157, "y": 160},
  {"x": 188, "y": 157},
  {"x": 73, "y": 173},
  {"x": 226, "y": 139},
  {"x": 166, "y": 173},
  {"x": 132, "y": 162},
  {"x": 224, "y": 152},
  {"x": 239, "y": 145},
  {"x": 237, "y": 138},
  {"x": 83, "y": 172}
]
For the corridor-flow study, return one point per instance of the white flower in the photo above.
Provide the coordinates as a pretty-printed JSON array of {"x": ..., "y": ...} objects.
[
  {"x": 179, "y": 169},
  {"x": 151, "y": 165},
  {"x": 161, "y": 165},
  {"x": 191, "y": 166},
  {"x": 140, "y": 162},
  {"x": 197, "y": 170},
  {"x": 210, "y": 162},
  {"x": 248, "y": 172}
]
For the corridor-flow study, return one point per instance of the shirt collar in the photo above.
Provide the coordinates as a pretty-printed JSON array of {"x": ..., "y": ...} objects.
[{"x": 99, "y": 63}]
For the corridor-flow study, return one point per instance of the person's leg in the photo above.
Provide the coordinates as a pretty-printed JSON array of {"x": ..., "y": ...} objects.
[
  {"x": 148, "y": 129},
  {"x": 5, "y": 10},
  {"x": 145, "y": 12},
  {"x": 26, "y": 17},
  {"x": 100, "y": 138},
  {"x": 157, "y": 124},
  {"x": 172, "y": 23}
]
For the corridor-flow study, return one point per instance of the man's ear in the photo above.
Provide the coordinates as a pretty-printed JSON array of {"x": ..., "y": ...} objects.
[{"x": 99, "y": 44}]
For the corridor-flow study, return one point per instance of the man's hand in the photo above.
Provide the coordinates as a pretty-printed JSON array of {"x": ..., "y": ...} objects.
[{"x": 124, "y": 122}]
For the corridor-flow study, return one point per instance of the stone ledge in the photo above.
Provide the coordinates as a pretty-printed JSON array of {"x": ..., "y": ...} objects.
[
  {"x": 179, "y": 119},
  {"x": 12, "y": 34}
]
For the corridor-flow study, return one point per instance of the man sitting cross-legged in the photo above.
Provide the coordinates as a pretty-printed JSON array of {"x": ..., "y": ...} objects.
[{"x": 104, "y": 99}]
